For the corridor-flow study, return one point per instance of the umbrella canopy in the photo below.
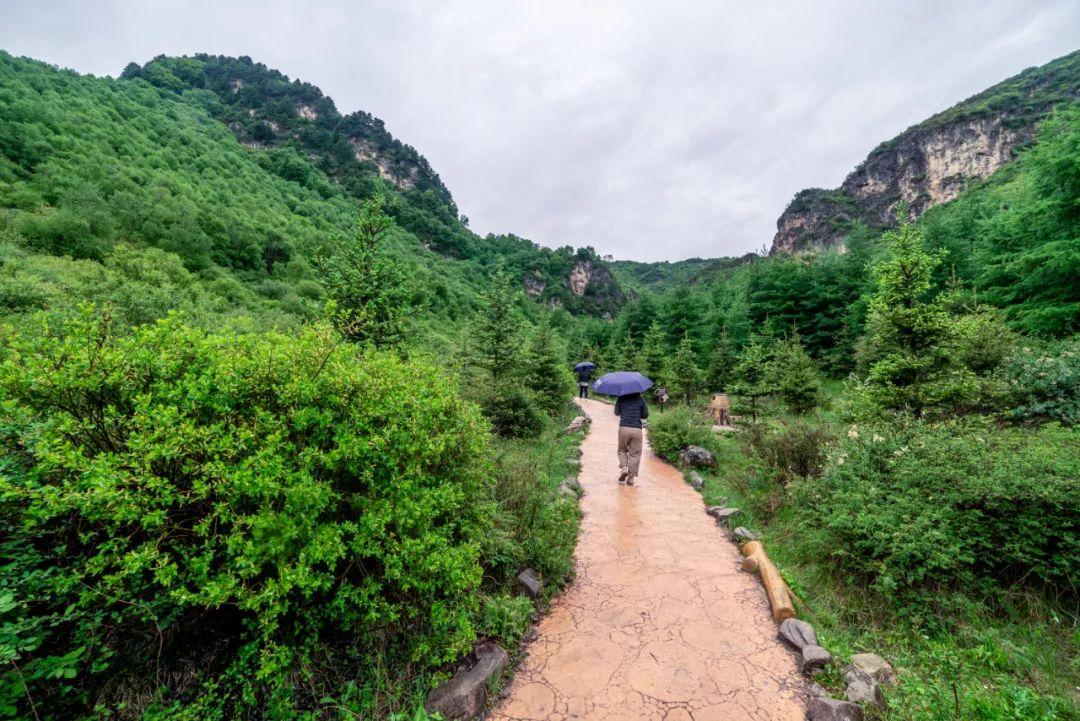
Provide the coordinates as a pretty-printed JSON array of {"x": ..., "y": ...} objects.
[
  {"x": 584, "y": 365},
  {"x": 622, "y": 383}
]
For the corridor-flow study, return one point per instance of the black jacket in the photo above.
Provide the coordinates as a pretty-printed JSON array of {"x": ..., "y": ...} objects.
[
  {"x": 584, "y": 374},
  {"x": 631, "y": 410}
]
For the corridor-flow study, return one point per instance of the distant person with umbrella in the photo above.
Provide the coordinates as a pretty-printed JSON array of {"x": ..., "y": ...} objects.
[
  {"x": 631, "y": 410},
  {"x": 584, "y": 373}
]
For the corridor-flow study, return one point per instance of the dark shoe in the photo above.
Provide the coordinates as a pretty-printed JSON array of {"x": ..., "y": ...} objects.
[
  {"x": 622, "y": 477},
  {"x": 630, "y": 481}
]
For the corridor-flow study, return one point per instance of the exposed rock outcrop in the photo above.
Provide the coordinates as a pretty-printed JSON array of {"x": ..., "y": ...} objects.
[{"x": 929, "y": 163}]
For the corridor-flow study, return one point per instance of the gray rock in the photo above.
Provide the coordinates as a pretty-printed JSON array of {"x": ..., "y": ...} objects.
[
  {"x": 572, "y": 483},
  {"x": 695, "y": 480},
  {"x": 567, "y": 492},
  {"x": 713, "y": 510},
  {"x": 817, "y": 691},
  {"x": 530, "y": 636},
  {"x": 863, "y": 689},
  {"x": 529, "y": 583},
  {"x": 573, "y": 462},
  {"x": 813, "y": 658},
  {"x": 464, "y": 695},
  {"x": 697, "y": 457},
  {"x": 798, "y": 634},
  {"x": 724, "y": 515},
  {"x": 577, "y": 424},
  {"x": 877, "y": 668},
  {"x": 743, "y": 534},
  {"x": 827, "y": 709}
]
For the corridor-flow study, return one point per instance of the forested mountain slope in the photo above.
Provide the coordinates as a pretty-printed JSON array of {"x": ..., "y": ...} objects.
[
  {"x": 930, "y": 163},
  {"x": 98, "y": 174},
  {"x": 299, "y": 127}
]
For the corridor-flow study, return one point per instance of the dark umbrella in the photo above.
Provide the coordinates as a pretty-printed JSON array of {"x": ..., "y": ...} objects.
[
  {"x": 622, "y": 383},
  {"x": 584, "y": 365}
]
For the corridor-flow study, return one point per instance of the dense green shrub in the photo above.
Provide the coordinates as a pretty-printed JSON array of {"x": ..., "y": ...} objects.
[
  {"x": 792, "y": 450},
  {"x": 676, "y": 429},
  {"x": 505, "y": 618},
  {"x": 1044, "y": 383},
  {"x": 913, "y": 506},
  {"x": 263, "y": 508}
]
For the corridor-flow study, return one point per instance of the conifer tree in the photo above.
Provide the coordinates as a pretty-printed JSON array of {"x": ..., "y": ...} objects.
[
  {"x": 685, "y": 377},
  {"x": 794, "y": 376},
  {"x": 546, "y": 374},
  {"x": 496, "y": 342},
  {"x": 722, "y": 362},
  {"x": 909, "y": 336},
  {"x": 627, "y": 358},
  {"x": 751, "y": 373},
  {"x": 654, "y": 354},
  {"x": 367, "y": 292}
]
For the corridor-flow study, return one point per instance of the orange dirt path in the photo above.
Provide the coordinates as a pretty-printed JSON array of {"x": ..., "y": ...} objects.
[{"x": 659, "y": 623}]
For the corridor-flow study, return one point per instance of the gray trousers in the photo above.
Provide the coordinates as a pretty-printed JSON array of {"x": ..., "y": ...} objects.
[{"x": 629, "y": 450}]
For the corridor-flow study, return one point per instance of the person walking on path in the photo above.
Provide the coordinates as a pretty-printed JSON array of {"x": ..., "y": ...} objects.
[
  {"x": 631, "y": 410},
  {"x": 584, "y": 373}
]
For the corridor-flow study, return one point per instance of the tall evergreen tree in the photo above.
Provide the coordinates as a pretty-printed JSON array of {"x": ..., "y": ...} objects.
[
  {"x": 909, "y": 334},
  {"x": 794, "y": 376},
  {"x": 684, "y": 378},
  {"x": 654, "y": 353},
  {"x": 366, "y": 288},
  {"x": 627, "y": 357},
  {"x": 495, "y": 339},
  {"x": 751, "y": 373},
  {"x": 546, "y": 374},
  {"x": 722, "y": 362}
]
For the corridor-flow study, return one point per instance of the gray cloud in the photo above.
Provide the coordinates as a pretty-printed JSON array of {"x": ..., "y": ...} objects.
[{"x": 647, "y": 130}]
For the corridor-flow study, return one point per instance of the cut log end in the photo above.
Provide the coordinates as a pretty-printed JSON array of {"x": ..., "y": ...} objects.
[{"x": 780, "y": 596}]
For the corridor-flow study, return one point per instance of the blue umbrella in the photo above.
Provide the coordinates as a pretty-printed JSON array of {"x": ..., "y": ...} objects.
[
  {"x": 622, "y": 383},
  {"x": 584, "y": 365}
]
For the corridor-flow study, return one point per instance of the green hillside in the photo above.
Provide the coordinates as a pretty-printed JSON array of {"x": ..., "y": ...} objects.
[{"x": 278, "y": 431}]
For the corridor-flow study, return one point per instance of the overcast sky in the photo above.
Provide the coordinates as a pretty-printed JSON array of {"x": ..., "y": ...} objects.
[{"x": 650, "y": 130}]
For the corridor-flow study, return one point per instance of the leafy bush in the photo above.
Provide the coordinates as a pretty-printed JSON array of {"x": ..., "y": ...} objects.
[
  {"x": 1045, "y": 382},
  {"x": 513, "y": 412},
  {"x": 676, "y": 429},
  {"x": 257, "y": 508},
  {"x": 505, "y": 618},
  {"x": 913, "y": 506},
  {"x": 793, "y": 450}
]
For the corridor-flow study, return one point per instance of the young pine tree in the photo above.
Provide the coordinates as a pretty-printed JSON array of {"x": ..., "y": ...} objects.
[
  {"x": 367, "y": 293},
  {"x": 751, "y": 374},
  {"x": 794, "y": 376},
  {"x": 653, "y": 356},
  {"x": 545, "y": 371},
  {"x": 627, "y": 358},
  {"x": 684, "y": 378},
  {"x": 722, "y": 361},
  {"x": 909, "y": 336},
  {"x": 495, "y": 340}
]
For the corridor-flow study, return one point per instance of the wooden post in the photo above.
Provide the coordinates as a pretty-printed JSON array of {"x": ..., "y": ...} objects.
[{"x": 778, "y": 592}]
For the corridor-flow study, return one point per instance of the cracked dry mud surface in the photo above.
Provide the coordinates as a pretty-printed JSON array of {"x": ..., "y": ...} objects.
[{"x": 659, "y": 623}]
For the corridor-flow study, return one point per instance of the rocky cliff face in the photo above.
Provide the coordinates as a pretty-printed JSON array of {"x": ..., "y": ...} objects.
[{"x": 930, "y": 163}]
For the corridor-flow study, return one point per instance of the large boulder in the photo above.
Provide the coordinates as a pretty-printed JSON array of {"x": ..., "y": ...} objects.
[
  {"x": 465, "y": 695},
  {"x": 813, "y": 659},
  {"x": 876, "y": 667},
  {"x": 529, "y": 584},
  {"x": 798, "y": 634},
  {"x": 863, "y": 689},
  {"x": 827, "y": 709},
  {"x": 697, "y": 457}
]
